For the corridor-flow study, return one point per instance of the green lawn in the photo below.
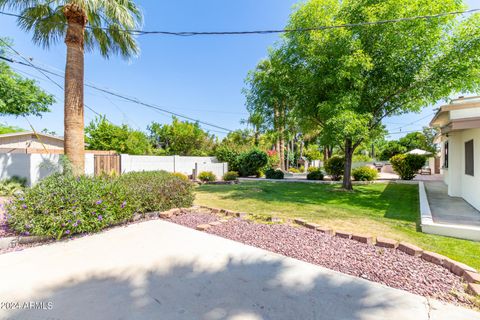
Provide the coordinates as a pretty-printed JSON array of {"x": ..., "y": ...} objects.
[{"x": 388, "y": 210}]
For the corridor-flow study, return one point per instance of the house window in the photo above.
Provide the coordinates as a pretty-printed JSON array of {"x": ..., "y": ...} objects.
[
  {"x": 469, "y": 165},
  {"x": 445, "y": 161}
]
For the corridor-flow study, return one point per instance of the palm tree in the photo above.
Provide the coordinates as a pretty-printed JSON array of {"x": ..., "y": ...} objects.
[{"x": 83, "y": 24}]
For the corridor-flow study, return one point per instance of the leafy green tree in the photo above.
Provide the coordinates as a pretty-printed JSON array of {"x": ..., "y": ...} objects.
[
  {"x": 104, "y": 135},
  {"x": 312, "y": 152},
  {"x": 81, "y": 24},
  {"x": 271, "y": 95},
  {"x": 359, "y": 75},
  {"x": 390, "y": 149},
  {"x": 181, "y": 138},
  {"x": 20, "y": 96},
  {"x": 420, "y": 140},
  {"x": 4, "y": 128}
]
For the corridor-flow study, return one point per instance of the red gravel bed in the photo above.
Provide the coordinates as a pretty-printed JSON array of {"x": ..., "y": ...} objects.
[{"x": 387, "y": 266}]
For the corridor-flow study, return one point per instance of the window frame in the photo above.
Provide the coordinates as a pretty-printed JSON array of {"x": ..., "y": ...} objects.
[{"x": 469, "y": 152}]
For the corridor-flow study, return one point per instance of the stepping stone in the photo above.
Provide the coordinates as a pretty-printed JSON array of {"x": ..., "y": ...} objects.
[{"x": 215, "y": 223}]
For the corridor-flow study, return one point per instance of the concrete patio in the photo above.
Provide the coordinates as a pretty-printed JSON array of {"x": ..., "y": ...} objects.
[
  {"x": 445, "y": 215},
  {"x": 450, "y": 210},
  {"x": 159, "y": 270}
]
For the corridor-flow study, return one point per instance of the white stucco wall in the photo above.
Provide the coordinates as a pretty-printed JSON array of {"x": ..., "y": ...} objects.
[
  {"x": 184, "y": 165},
  {"x": 460, "y": 184},
  {"x": 471, "y": 184},
  {"x": 35, "y": 167}
]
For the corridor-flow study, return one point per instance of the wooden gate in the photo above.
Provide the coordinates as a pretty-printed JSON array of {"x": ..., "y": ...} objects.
[{"x": 107, "y": 164}]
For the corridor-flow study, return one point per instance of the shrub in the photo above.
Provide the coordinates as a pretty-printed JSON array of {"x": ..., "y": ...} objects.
[
  {"x": 312, "y": 169},
  {"x": 315, "y": 175},
  {"x": 207, "y": 176},
  {"x": 181, "y": 176},
  {"x": 251, "y": 162},
  {"x": 61, "y": 205},
  {"x": 156, "y": 190},
  {"x": 273, "y": 159},
  {"x": 335, "y": 167},
  {"x": 230, "y": 176},
  {"x": 407, "y": 165},
  {"x": 229, "y": 155},
  {"x": 12, "y": 185},
  {"x": 274, "y": 174},
  {"x": 294, "y": 170},
  {"x": 364, "y": 174}
]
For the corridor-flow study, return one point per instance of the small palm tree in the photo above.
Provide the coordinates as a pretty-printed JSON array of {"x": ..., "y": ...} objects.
[{"x": 83, "y": 24}]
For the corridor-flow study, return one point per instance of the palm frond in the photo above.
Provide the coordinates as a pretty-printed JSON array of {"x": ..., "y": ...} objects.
[{"x": 108, "y": 27}]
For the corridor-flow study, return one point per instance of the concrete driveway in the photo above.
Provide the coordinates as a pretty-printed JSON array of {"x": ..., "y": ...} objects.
[{"x": 159, "y": 270}]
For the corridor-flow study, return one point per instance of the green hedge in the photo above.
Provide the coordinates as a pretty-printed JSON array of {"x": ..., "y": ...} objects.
[
  {"x": 335, "y": 167},
  {"x": 315, "y": 175},
  {"x": 274, "y": 174},
  {"x": 62, "y": 205},
  {"x": 365, "y": 174},
  {"x": 157, "y": 190},
  {"x": 407, "y": 165},
  {"x": 230, "y": 176},
  {"x": 207, "y": 176}
]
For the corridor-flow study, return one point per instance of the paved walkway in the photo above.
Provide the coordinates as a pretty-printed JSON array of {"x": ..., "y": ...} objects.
[
  {"x": 158, "y": 270},
  {"x": 449, "y": 210}
]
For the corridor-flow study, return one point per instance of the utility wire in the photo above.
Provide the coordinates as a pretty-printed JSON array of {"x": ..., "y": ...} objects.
[
  {"x": 43, "y": 72},
  {"x": 123, "y": 97},
  {"x": 416, "y": 121},
  {"x": 274, "y": 31}
]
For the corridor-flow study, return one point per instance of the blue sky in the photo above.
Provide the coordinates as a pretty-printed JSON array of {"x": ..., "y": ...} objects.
[{"x": 201, "y": 77}]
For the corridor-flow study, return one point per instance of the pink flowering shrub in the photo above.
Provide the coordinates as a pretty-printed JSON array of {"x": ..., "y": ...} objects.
[{"x": 62, "y": 205}]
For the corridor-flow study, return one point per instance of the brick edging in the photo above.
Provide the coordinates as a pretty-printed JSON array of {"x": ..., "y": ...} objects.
[{"x": 469, "y": 274}]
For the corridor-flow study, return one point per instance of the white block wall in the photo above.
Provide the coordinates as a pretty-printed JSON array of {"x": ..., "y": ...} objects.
[
  {"x": 184, "y": 165},
  {"x": 35, "y": 167}
]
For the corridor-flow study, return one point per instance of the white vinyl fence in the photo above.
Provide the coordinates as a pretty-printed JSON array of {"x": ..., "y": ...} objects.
[
  {"x": 186, "y": 165},
  {"x": 35, "y": 167}
]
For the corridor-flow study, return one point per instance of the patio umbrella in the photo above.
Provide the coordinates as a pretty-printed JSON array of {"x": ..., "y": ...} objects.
[{"x": 419, "y": 152}]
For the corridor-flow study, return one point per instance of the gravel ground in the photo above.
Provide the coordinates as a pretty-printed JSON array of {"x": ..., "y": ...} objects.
[{"x": 387, "y": 266}]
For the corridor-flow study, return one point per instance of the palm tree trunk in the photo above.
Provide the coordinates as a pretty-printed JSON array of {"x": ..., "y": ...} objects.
[{"x": 74, "y": 140}]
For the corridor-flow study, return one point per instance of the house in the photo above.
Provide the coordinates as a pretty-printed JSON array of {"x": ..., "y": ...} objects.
[
  {"x": 30, "y": 142},
  {"x": 459, "y": 138}
]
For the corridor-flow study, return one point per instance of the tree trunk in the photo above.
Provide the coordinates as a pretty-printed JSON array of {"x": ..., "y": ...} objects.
[
  {"x": 282, "y": 146},
  {"x": 74, "y": 140},
  {"x": 347, "y": 175}
]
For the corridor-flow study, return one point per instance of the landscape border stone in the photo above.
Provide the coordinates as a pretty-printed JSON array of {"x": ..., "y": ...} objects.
[
  {"x": 386, "y": 243},
  {"x": 468, "y": 273},
  {"x": 343, "y": 234}
]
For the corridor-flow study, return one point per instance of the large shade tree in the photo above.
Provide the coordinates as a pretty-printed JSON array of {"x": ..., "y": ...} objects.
[
  {"x": 359, "y": 75},
  {"x": 81, "y": 24}
]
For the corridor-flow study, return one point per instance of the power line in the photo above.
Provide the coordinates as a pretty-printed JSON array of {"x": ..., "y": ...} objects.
[
  {"x": 274, "y": 31},
  {"x": 43, "y": 72},
  {"x": 416, "y": 121},
  {"x": 123, "y": 97}
]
